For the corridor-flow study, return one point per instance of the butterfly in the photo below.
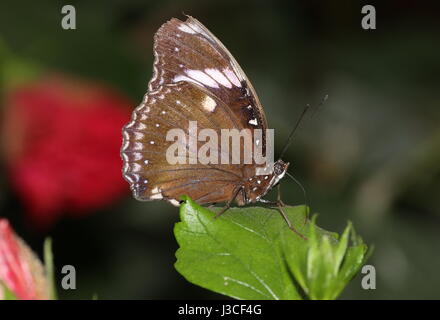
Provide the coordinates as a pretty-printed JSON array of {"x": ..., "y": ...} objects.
[{"x": 195, "y": 78}]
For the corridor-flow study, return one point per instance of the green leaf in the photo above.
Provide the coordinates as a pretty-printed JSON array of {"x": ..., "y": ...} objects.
[
  {"x": 355, "y": 257},
  {"x": 330, "y": 264},
  {"x": 235, "y": 255},
  {"x": 250, "y": 253}
]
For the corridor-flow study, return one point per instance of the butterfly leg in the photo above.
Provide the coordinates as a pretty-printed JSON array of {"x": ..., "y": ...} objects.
[
  {"x": 280, "y": 202},
  {"x": 289, "y": 224},
  {"x": 228, "y": 204}
]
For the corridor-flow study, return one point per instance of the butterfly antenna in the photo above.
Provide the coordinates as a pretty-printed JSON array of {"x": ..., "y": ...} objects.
[
  {"x": 306, "y": 205},
  {"x": 298, "y": 122},
  {"x": 300, "y": 185}
]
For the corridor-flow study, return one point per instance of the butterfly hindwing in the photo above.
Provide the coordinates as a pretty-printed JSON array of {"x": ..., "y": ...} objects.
[{"x": 147, "y": 168}]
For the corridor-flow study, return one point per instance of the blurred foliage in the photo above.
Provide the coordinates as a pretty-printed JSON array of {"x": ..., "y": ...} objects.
[
  {"x": 250, "y": 253},
  {"x": 369, "y": 155},
  {"x": 6, "y": 293},
  {"x": 49, "y": 268}
]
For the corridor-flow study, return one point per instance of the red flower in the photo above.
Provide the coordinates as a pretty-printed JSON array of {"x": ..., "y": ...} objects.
[
  {"x": 62, "y": 140},
  {"x": 20, "y": 270}
]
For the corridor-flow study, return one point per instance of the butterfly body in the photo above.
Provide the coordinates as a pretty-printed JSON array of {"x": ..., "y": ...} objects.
[
  {"x": 255, "y": 187},
  {"x": 195, "y": 80}
]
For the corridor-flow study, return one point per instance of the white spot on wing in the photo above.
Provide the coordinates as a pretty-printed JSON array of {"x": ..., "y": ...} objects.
[
  {"x": 174, "y": 202},
  {"x": 185, "y": 28},
  {"x": 140, "y": 126},
  {"x": 219, "y": 77},
  {"x": 232, "y": 77},
  {"x": 185, "y": 78},
  {"x": 209, "y": 104},
  {"x": 137, "y": 156},
  {"x": 136, "y": 167},
  {"x": 156, "y": 194},
  {"x": 137, "y": 146},
  {"x": 198, "y": 29},
  {"x": 253, "y": 121},
  {"x": 202, "y": 77}
]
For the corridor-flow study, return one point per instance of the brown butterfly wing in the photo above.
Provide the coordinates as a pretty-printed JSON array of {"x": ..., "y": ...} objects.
[
  {"x": 193, "y": 71},
  {"x": 188, "y": 51},
  {"x": 145, "y": 146}
]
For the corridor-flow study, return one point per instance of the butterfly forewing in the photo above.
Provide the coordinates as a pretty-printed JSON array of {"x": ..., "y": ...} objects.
[{"x": 187, "y": 51}]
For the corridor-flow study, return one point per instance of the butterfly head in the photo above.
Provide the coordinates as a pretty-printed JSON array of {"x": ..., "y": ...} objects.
[
  {"x": 259, "y": 185},
  {"x": 279, "y": 170}
]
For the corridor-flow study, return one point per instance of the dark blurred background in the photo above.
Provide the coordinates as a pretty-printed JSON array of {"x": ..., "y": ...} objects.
[{"x": 371, "y": 154}]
